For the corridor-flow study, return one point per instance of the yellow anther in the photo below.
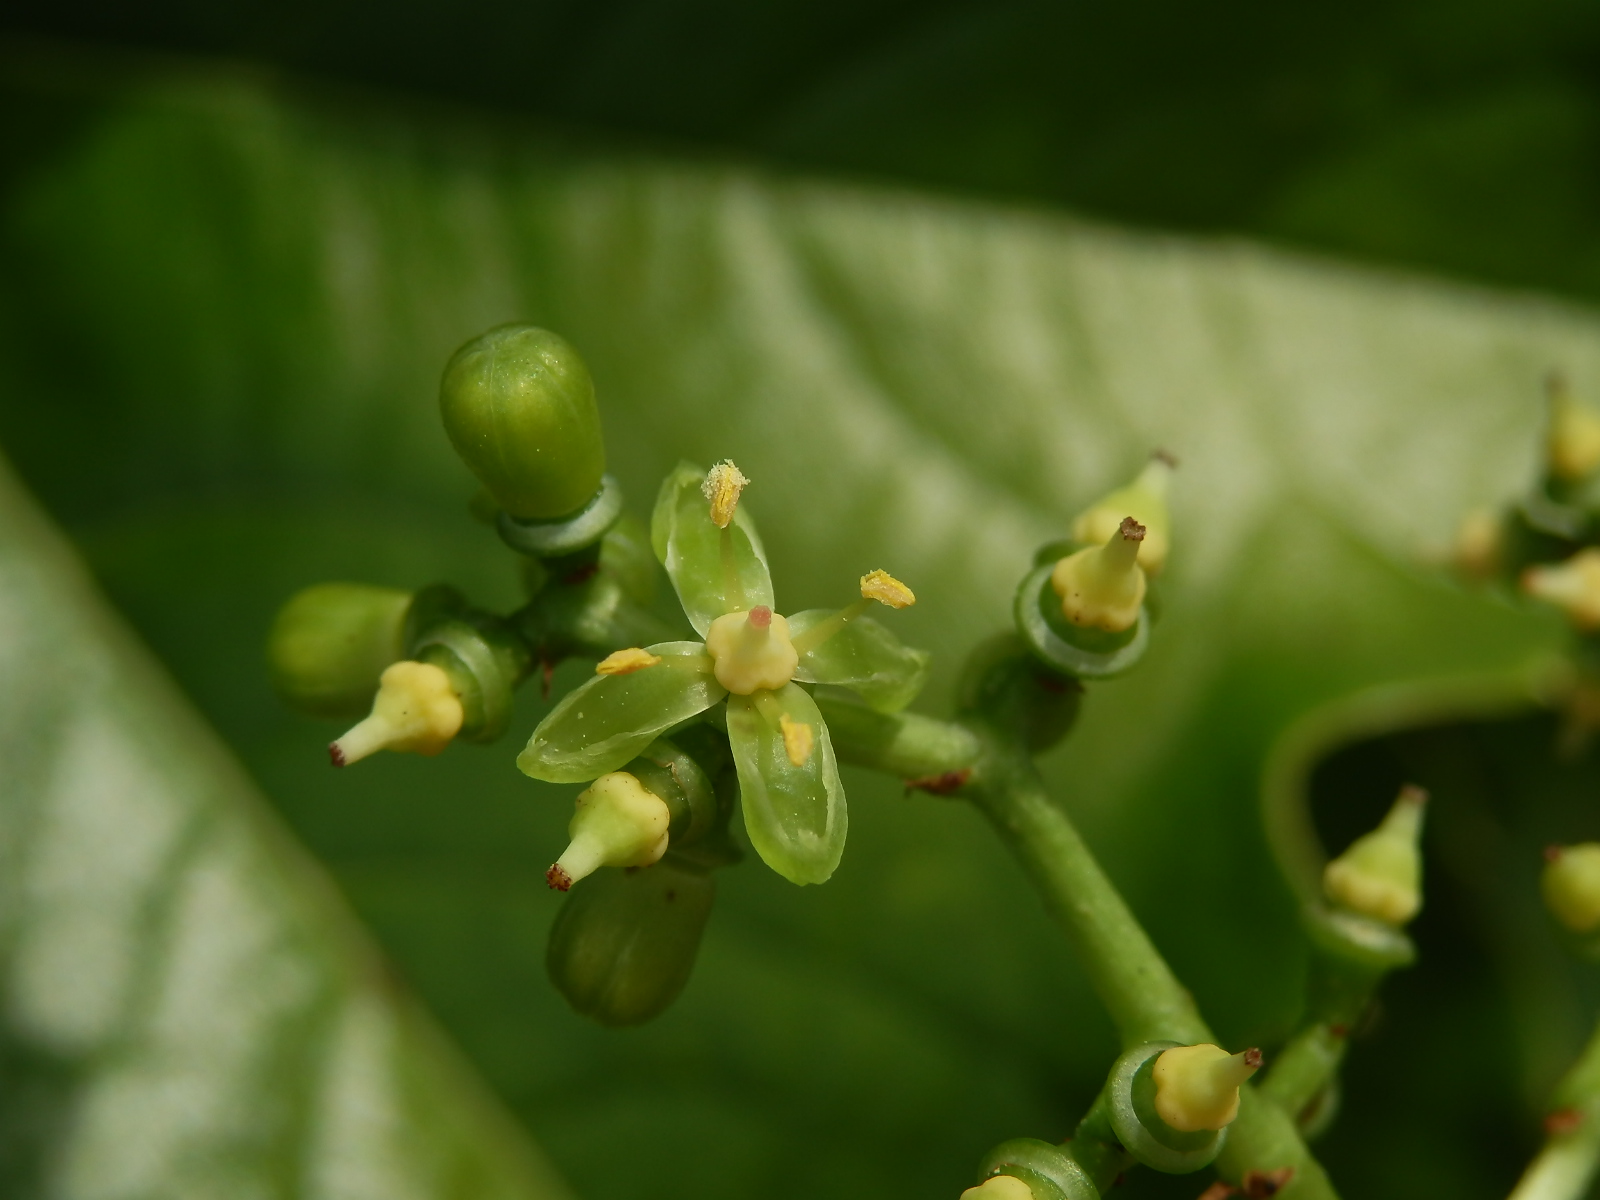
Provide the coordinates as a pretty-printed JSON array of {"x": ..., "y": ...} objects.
[
  {"x": 999, "y": 1187},
  {"x": 751, "y": 650},
  {"x": 1571, "y": 885},
  {"x": 1573, "y": 445},
  {"x": 1197, "y": 1087},
  {"x": 617, "y": 823},
  {"x": 1102, "y": 587},
  {"x": 1478, "y": 543},
  {"x": 1380, "y": 875},
  {"x": 723, "y": 484},
  {"x": 1145, "y": 499},
  {"x": 886, "y": 589},
  {"x": 1572, "y": 586},
  {"x": 798, "y": 739},
  {"x": 415, "y": 710},
  {"x": 626, "y": 662}
]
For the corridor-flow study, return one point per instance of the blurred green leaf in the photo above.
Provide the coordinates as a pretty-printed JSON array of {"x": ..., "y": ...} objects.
[{"x": 224, "y": 306}]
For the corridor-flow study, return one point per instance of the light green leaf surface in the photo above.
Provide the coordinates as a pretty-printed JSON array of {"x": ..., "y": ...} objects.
[
  {"x": 599, "y": 726},
  {"x": 691, "y": 548},
  {"x": 865, "y": 657},
  {"x": 224, "y": 307},
  {"x": 189, "y": 1010},
  {"x": 794, "y": 813}
]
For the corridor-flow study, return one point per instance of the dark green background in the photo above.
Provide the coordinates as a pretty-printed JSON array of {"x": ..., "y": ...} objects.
[{"x": 1456, "y": 135}]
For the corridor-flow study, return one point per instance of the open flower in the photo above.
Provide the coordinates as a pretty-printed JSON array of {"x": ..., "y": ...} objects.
[{"x": 747, "y": 671}]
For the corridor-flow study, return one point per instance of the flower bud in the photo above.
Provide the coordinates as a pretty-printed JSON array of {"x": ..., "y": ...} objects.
[
  {"x": 617, "y": 823},
  {"x": 1572, "y": 586},
  {"x": 1145, "y": 500},
  {"x": 1380, "y": 875},
  {"x": 331, "y": 642},
  {"x": 1102, "y": 587},
  {"x": 519, "y": 407},
  {"x": 416, "y": 710},
  {"x": 1197, "y": 1087},
  {"x": 624, "y": 943},
  {"x": 1571, "y": 885},
  {"x": 999, "y": 1187},
  {"x": 1573, "y": 442},
  {"x": 1480, "y": 544}
]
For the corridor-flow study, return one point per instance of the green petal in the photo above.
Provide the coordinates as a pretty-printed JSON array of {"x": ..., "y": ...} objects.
[
  {"x": 864, "y": 657},
  {"x": 608, "y": 720},
  {"x": 795, "y": 816},
  {"x": 690, "y": 547}
]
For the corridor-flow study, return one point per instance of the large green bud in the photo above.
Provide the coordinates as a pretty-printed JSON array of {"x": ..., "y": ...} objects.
[
  {"x": 624, "y": 943},
  {"x": 332, "y": 641},
  {"x": 519, "y": 407}
]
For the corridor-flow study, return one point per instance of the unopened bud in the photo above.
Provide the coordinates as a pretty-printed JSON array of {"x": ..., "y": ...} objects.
[
  {"x": 724, "y": 482},
  {"x": 1380, "y": 875},
  {"x": 331, "y": 642},
  {"x": 1197, "y": 1087},
  {"x": 1571, "y": 885},
  {"x": 1573, "y": 445},
  {"x": 416, "y": 710},
  {"x": 1145, "y": 499},
  {"x": 999, "y": 1187},
  {"x": 1479, "y": 541},
  {"x": 1572, "y": 586},
  {"x": 1103, "y": 587},
  {"x": 886, "y": 589},
  {"x": 617, "y": 823}
]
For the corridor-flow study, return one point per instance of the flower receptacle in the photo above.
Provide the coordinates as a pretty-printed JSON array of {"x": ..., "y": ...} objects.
[
  {"x": 752, "y": 651},
  {"x": 618, "y": 822},
  {"x": 1380, "y": 874},
  {"x": 1103, "y": 586},
  {"x": 416, "y": 711},
  {"x": 1197, "y": 1087}
]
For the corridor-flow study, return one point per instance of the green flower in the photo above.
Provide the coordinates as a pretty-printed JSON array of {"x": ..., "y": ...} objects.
[{"x": 746, "y": 674}]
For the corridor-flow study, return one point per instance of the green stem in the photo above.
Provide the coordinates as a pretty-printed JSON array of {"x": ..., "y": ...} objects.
[
  {"x": 905, "y": 745},
  {"x": 1565, "y": 1167}
]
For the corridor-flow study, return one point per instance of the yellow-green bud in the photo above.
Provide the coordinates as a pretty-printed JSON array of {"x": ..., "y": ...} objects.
[
  {"x": 1573, "y": 445},
  {"x": 1197, "y": 1087},
  {"x": 1145, "y": 500},
  {"x": 416, "y": 710},
  {"x": 331, "y": 642},
  {"x": 1572, "y": 586},
  {"x": 999, "y": 1187},
  {"x": 1380, "y": 875},
  {"x": 1102, "y": 587},
  {"x": 519, "y": 407},
  {"x": 1480, "y": 540},
  {"x": 1571, "y": 885},
  {"x": 617, "y": 823}
]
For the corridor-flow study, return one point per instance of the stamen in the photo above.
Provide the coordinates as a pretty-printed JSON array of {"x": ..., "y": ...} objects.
[
  {"x": 798, "y": 739},
  {"x": 886, "y": 589},
  {"x": 626, "y": 662},
  {"x": 723, "y": 484}
]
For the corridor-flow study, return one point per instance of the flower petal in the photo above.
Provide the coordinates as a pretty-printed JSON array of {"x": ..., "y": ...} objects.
[
  {"x": 601, "y": 725},
  {"x": 865, "y": 657},
  {"x": 690, "y": 546},
  {"x": 795, "y": 814}
]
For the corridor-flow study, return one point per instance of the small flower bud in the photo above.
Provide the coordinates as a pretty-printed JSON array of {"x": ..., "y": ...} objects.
[
  {"x": 626, "y": 662},
  {"x": 999, "y": 1187},
  {"x": 331, "y": 642},
  {"x": 1571, "y": 885},
  {"x": 1102, "y": 587},
  {"x": 886, "y": 589},
  {"x": 416, "y": 710},
  {"x": 752, "y": 650},
  {"x": 724, "y": 482},
  {"x": 1145, "y": 499},
  {"x": 1572, "y": 586},
  {"x": 1573, "y": 444},
  {"x": 1380, "y": 875},
  {"x": 519, "y": 407},
  {"x": 1479, "y": 543},
  {"x": 1197, "y": 1087},
  {"x": 617, "y": 823}
]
